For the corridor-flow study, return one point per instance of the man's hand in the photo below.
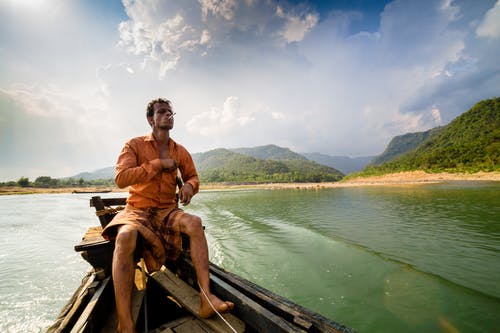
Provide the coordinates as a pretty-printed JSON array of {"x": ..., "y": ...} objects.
[
  {"x": 168, "y": 164},
  {"x": 186, "y": 193}
]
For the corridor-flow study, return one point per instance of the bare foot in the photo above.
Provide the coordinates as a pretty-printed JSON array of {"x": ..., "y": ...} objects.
[
  {"x": 129, "y": 328},
  {"x": 206, "y": 310}
]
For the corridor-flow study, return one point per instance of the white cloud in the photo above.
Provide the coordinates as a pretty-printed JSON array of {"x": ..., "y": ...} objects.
[
  {"x": 160, "y": 36},
  {"x": 205, "y": 37},
  {"x": 219, "y": 121},
  {"x": 436, "y": 115},
  {"x": 336, "y": 89},
  {"x": 58, "y": 133},
  {"x": 278, "y": 115},
  {"x": 57, "y": 104},
  {"x": 223, "y": 8},
  {"x": 296, "y": 27},
  {"x": 47, "y": 102},
  {"x": 490, "y": 26}
]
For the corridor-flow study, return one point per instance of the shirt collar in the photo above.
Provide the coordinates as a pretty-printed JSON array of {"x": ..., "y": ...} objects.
[{"x": 150, "y": 137}]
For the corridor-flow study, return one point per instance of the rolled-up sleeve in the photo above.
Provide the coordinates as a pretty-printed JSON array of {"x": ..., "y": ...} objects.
[{"x": 188, "y": 170}]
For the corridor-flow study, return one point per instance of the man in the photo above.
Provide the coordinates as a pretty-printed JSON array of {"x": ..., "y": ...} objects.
[{"x": 149, "y": 166}]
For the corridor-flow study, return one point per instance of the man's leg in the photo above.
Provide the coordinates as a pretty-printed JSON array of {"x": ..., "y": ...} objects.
[
  {"x": 191, "y": 225},
  {"x": 123, "y": 276}
]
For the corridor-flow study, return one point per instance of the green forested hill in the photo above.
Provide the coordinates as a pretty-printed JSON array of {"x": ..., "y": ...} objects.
[
  {"x": 276, "y": 164},
  {"x": 270, "y": 152},
  {"x": 223, "y": 165},
  {"x": 402, "y": 144},
  {"x": 469, "y": 143}
]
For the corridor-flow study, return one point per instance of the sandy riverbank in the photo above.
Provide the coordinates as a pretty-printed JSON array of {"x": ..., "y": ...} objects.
[{"x": 402, "y": 178}]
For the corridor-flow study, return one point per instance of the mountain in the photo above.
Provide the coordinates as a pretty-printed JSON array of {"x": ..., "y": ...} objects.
[
  {"x": 270, "y": 152},
  {"x": 470, "y": 143},
  {"x": 344, "y": 164},
  {"x": 104, "y": 173},
  {"x": 402, "y": 144},
  {"x": 227, "y": 165},
  {"x": 272, "y": 164}
]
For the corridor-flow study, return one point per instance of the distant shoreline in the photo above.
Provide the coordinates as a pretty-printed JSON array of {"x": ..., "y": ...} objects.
[{"x": 395, "y": 179}]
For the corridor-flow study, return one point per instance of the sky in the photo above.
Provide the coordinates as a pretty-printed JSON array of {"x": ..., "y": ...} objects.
[{"x": 334, "y": 77}]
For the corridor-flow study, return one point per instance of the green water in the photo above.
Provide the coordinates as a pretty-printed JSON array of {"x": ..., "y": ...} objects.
[
  {"x": 378, "y": 259},
  {"x": 397, "y": 259}
]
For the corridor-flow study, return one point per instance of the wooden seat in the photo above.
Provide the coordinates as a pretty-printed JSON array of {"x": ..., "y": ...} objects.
[{"x": 94, "y": 248}]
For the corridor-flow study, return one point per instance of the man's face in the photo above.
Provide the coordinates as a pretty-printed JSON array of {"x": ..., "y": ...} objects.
[{"x": 162, "y": 116}]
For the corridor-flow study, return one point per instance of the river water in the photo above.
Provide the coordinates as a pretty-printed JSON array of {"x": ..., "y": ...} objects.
[{"x": 423, "y": 258}]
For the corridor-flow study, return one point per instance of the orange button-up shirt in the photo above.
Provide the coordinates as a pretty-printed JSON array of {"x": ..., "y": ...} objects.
[{"x": 139, "y": 167}]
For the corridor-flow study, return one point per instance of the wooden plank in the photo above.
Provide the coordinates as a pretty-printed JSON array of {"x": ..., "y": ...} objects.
[
  {"x": 193, "y": 326},
  {"x": 99, "y": 205},
  {"x": 69, "y": 314},
  {"x": 89, "y": 309},
  {"x": 251, "y": 312},
  {"x": 188, "y": 298},
  {"x": 280, "y": 305},
  {"x": 137, "y": 297},
  {"x": 110, "y": 324},
  {"x": 167, "y": 328},
  {"x": 107, "y": 202},
  {"x": 91, "y": 238}
]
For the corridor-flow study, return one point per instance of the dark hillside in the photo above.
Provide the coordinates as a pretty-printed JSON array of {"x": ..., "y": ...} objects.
[
  {"x": 470, "y": 143},
  {"x": 402, "y": 144}
]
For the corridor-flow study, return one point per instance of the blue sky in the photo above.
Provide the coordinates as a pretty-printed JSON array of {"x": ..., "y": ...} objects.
[{"x": 335, "y": 77}]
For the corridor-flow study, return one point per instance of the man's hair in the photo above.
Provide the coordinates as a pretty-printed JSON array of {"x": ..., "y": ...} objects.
[{"x": 150, "y": 108}]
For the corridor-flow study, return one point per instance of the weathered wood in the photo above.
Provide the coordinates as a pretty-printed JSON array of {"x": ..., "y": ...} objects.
[
  {"x": 110, "y": 323},
  {"x": 279, "y": 305},
  {"x": 193, "y": 326},
  {"x": 95, "y": 249},
  {"x": 91, "y": 239},
  {"x": 100, "y": 204},
  {"x": 189, "y": 298},
  {"x": 82, "y": 325},
  {"x": 167, "y": 328},
  {"x": 250, "y": 311},
  {"x": 107, "y": 202},
  {"x": 70, "y": 312}
]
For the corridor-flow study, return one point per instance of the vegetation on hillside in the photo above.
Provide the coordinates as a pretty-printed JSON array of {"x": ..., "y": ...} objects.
[
  {"x": 402, "y": 144},
  {"x": 470, "y": 143},
  {"x": 270, "y": 152},
  {"x": 223, "y": 165}
]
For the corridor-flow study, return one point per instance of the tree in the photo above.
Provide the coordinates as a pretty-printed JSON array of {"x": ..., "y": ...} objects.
[
  {"x": 23, "y": 182},
  {"x": 45, "y": 181}
]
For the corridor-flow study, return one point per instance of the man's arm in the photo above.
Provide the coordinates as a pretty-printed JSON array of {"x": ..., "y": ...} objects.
[
  {"x": 128, "y": 172},
  {"x": 189, "y": 176}
]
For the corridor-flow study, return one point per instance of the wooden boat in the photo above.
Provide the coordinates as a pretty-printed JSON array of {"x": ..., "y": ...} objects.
[{"x": 167, "y": 300}]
